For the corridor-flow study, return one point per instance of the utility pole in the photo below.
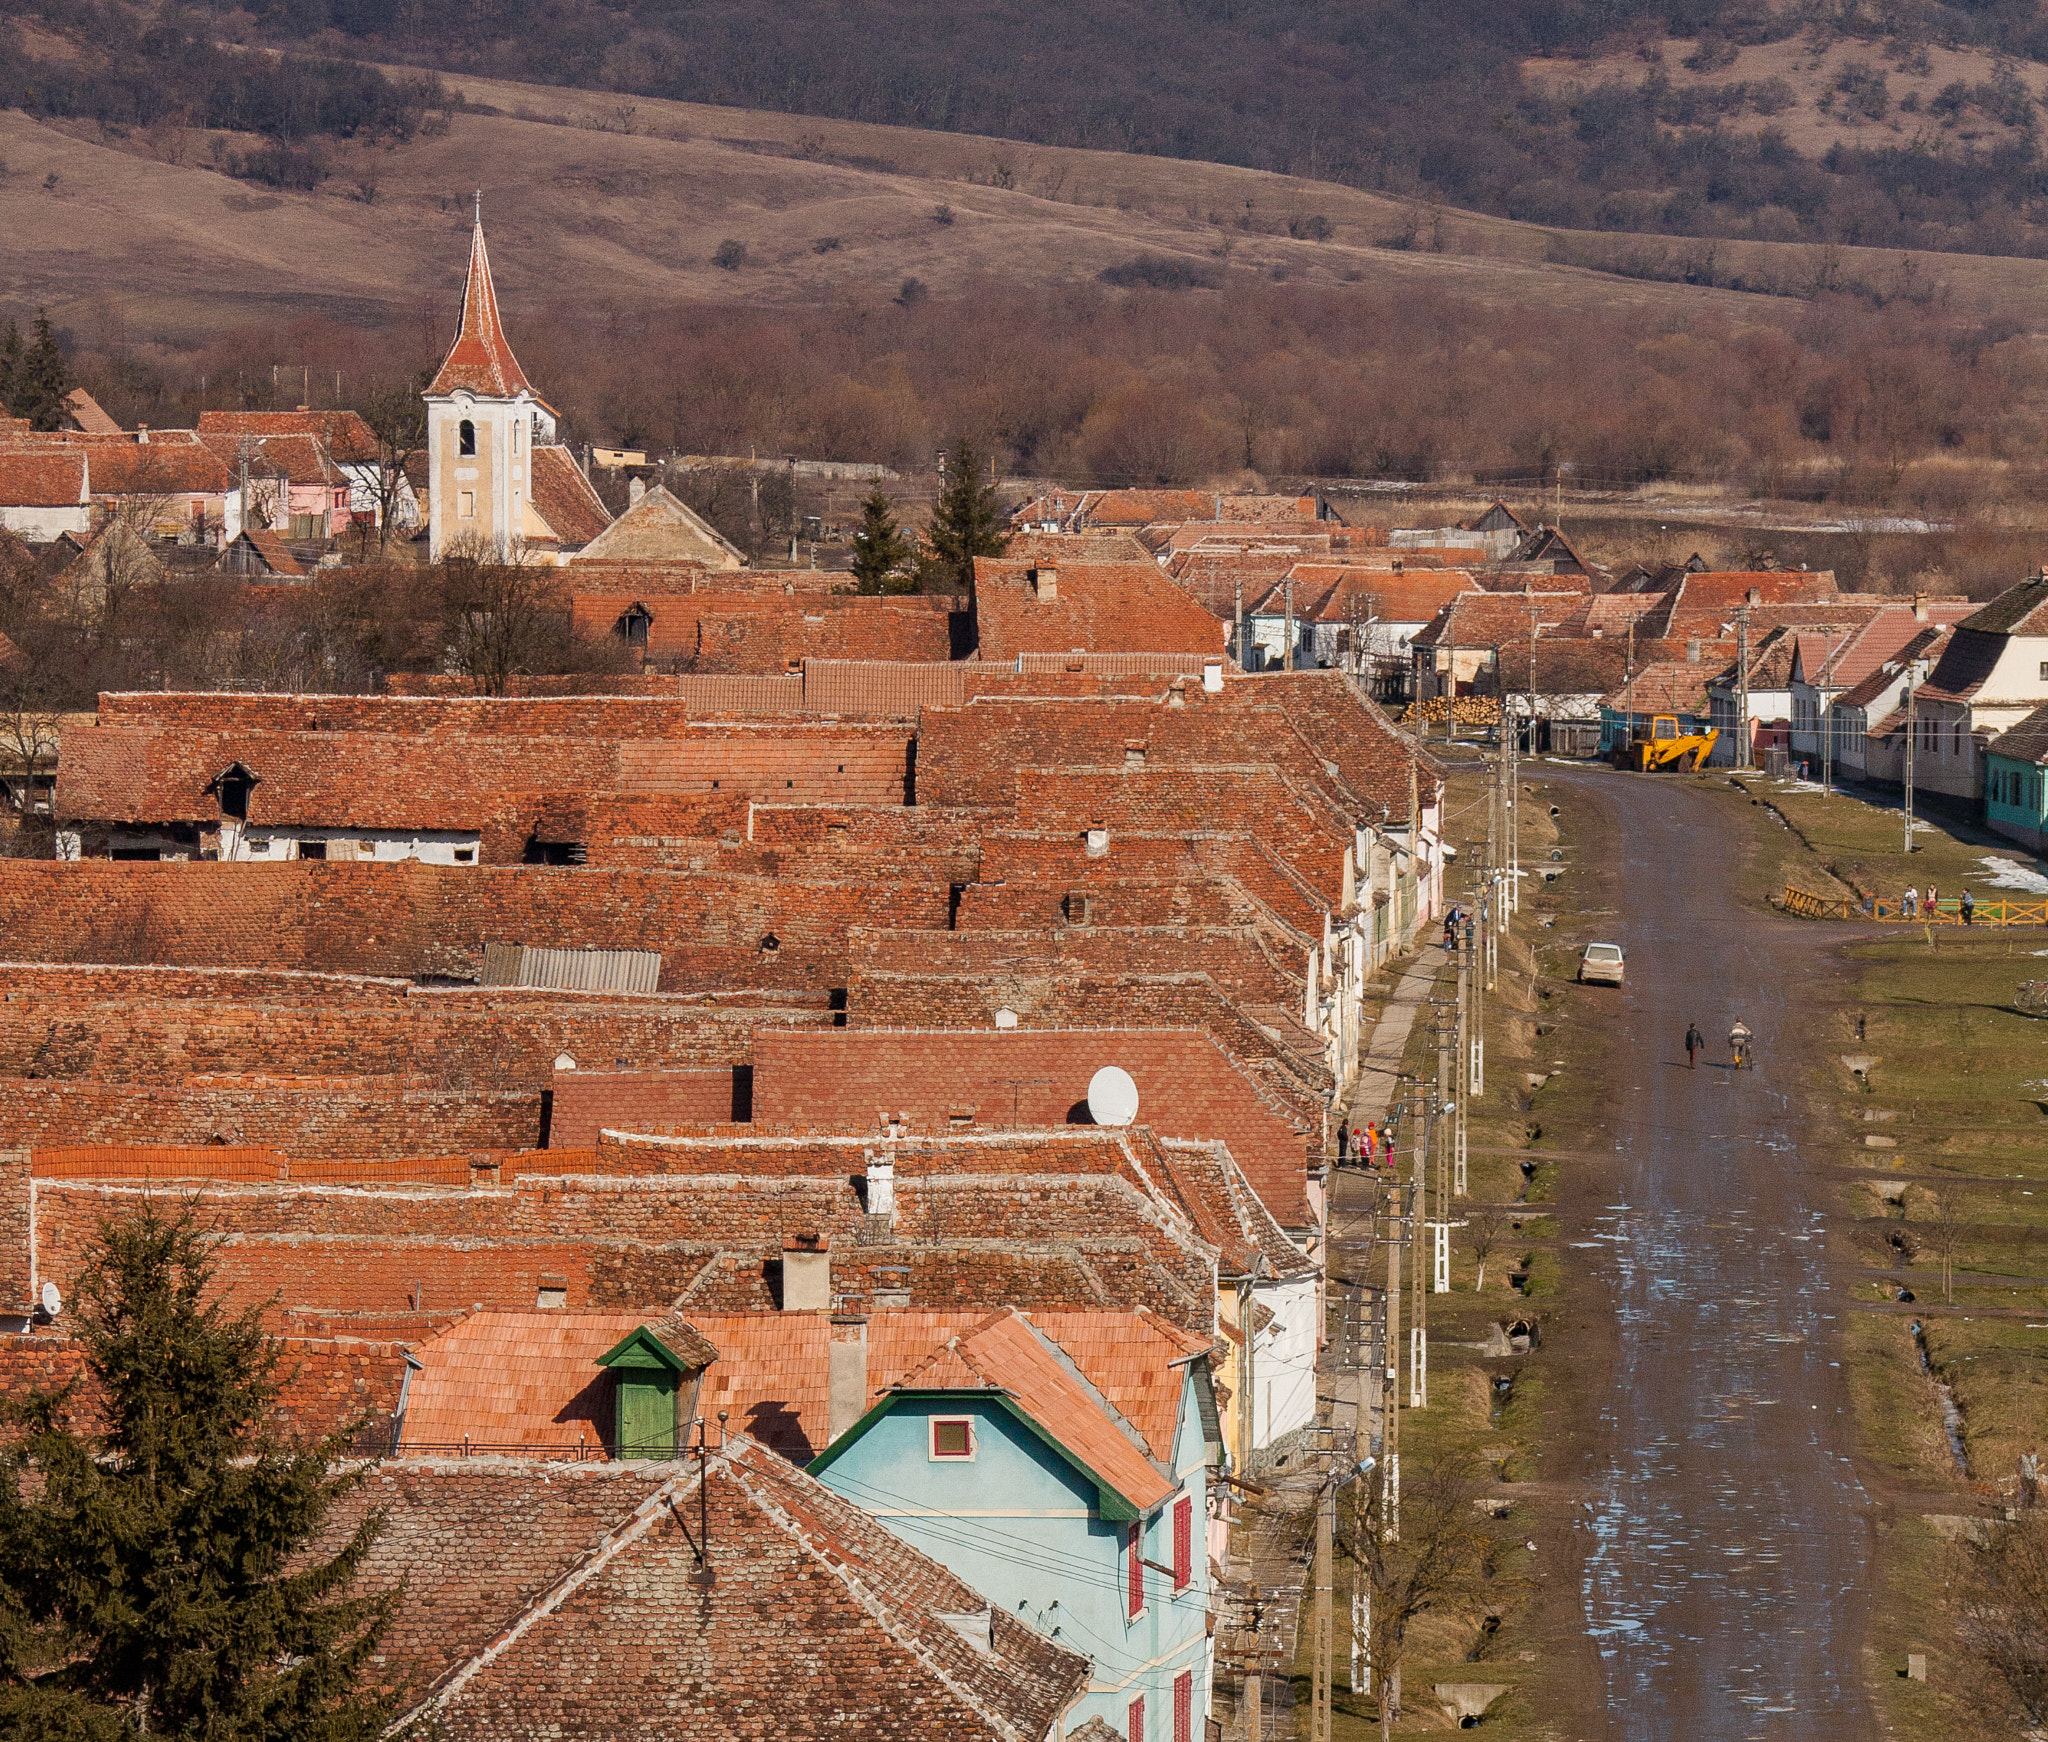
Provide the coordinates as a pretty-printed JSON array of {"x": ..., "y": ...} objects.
[
  {"x": 1742, "y": 687},
  {"x": 1238, "y": 614},
  {"x": 1324, "y": 1644},
  {"x": 1287, "y": 591},
  {"x": 1628, "y": 704},
  {"x": 1912, "y": 731}
]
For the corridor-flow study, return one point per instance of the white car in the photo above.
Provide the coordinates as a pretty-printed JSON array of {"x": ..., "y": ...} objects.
[{"x": 1601, "y": 962}]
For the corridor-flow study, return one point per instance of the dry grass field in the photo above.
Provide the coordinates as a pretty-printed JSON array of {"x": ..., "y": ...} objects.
[{"x": 623, "y": 202}]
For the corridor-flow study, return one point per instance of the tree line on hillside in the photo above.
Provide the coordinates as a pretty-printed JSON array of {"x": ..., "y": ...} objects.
[
  {"x": 1833, "y": 398},
  {"x": 1374, "y": 93}
]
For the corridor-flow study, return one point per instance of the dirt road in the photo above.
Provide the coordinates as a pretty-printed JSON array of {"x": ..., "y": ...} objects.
[{"x": 1725, "y": 1580}]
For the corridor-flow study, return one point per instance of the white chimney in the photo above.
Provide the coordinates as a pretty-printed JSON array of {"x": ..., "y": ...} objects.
[
  {"x": 635, "y": 489},
  {"x": 846, "y": 1374},
  {"x": 1045, "y": 584},
  {"x": 807, "y": 1273},
  {"x": 1212, "y": 676},
  {"x": 881, "y": 1184}
]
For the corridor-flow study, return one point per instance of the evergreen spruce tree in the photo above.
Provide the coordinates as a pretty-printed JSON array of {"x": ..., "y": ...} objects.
[
  {"x": 966, "y": 523},
  {"x": 880, "y": 551},
  {"x": 42, "y": 378},
  {"x": 152, "y": 1570},
  {"x": 10, "y": 367}
]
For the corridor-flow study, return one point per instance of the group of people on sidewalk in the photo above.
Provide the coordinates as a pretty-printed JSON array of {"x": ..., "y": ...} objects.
[
  {"x": 1916, "y": 906},
  {"x": 1375, "y": 1145}
]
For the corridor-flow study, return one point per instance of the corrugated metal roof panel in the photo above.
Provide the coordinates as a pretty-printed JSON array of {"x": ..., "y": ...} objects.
[{"x": 572, "y": 970}]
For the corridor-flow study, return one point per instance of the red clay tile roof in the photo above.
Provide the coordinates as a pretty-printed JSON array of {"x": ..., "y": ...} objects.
[
  {"x": 1097, "y": 608},
  {"x": 1330, "y": 592},
  {"x": 1007, "y": 1352},
  {"x": 1481, "y": 619},
  {"x": 527, "y": 1379},
  {"x": 344, "y": 434},
  {"x": 563, "y": 497},
  {"x": 480, "y": 360},
  {"x": 1188, "y": 1087},
  {"x": 42, "y": 478},
  {"x": 2019, "y": 610},
  {"x": 86, "y": 412},
  {"x": 563, "y": 1600},
  {"x": 270, "y": 550}
]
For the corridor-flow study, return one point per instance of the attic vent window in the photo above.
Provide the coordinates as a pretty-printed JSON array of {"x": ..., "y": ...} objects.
[
  {"x": 635, "y": 624},
  {"x": 1006, "y": 1017},
  {"x": 232, "y": 786},
  {"x": 1075, "y": 908},
  {"x": 960, "y": 1118},
  {"x": 770, "y": 943},
  {"x": 1098, "y": 843},
  {"x": 1134, "y": 756},
  {"x": 952, "y": 1439},
  {"x": 553, "y": 1293}
]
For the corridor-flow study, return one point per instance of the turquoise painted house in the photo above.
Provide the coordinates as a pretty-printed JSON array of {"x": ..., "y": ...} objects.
[
  {"x": 2016, "y": 782},
  {"x": 1059, "y": 1464}
]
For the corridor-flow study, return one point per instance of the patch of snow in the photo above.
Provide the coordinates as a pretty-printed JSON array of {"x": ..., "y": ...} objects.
[{"x": 2011, "y": 874}]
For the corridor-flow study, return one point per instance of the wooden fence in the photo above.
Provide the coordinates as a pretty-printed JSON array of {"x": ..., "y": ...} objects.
[{"x": 1947, "y": 911}]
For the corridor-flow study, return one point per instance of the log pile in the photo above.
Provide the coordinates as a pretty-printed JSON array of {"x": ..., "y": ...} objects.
[{"x": 1466, "y": 710}]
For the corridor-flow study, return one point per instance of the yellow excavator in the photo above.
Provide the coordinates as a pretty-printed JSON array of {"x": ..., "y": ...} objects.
[{"x": 1660, "y": 745}]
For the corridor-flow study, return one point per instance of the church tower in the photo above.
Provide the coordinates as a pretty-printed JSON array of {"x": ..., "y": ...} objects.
[{"x": 484, "y": 424}]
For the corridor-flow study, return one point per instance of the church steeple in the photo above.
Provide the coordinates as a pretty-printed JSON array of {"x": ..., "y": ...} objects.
[{"x": 480, "y": 360}]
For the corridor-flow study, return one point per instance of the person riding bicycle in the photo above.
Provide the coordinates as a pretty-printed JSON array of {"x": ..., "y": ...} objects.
[{"x": 1739, "y": 1038}]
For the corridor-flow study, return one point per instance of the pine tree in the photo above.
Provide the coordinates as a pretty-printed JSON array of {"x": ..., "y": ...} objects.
[
  {"x": 42, "y": 378},
  {"x": 880, "y": 550},
  {"x": 10, "y": 368},
  {"x": 152, "y": 1575},
  {"x": 966, "y": 523}
]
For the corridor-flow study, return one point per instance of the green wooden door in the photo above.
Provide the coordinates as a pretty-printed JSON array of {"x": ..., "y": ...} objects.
[{"x": 647, "y": 1413}]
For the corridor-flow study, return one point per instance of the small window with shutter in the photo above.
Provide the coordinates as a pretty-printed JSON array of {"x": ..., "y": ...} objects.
[
  {"x": 1134, "y": 1565},
  {"x": 1183, "y": 1542},
  {"x": 1184, "y": 1706},
  {"x": 1137, "y": 1721}
]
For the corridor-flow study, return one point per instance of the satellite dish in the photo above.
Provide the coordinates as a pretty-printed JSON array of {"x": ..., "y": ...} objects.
[
  {"x": 53, "y": 1302},
  {"x": 1112, "y": 1096}
]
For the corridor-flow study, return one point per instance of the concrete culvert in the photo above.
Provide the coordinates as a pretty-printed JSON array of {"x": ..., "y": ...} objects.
[{"x": 1465, "y": 1703}]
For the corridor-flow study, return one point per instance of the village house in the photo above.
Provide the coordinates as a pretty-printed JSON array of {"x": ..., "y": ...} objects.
[
  {"x": 45, "y": 492},
  {"x": 1828, "y": 663},
  {"x": 1992, "y": 674},
  {"x": 1870, "y": 716}
]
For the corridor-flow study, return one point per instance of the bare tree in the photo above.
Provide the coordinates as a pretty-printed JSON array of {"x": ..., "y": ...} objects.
[
  {"x": 500, "y": 619},
  {"x": 397, "y": 416},
  {"x": 1483, "y": 1229},
  {"x": 1441, "y": 1559},
  {"x": 1946, "y": 1228},
  {"x": 2002, "y": 1601}
]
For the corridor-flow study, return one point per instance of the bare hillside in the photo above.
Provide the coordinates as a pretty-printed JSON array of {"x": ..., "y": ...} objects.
[{"x": 626, "y": 202}]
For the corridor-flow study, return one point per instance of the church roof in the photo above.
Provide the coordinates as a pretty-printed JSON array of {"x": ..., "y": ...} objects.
[{"x": 480, "y": 359}]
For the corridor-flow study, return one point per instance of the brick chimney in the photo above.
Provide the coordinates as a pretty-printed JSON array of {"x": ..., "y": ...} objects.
[
  {"x": 807, "y": 1273},
  {"x": 1919, "y": 607},
  {"x": 846, "y": 1373}
]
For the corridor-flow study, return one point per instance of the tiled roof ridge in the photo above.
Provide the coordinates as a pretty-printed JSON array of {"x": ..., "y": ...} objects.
[
  {"x": 586, "y": 1567},
  {"x": 1075, "y": 1372},
  {"x": 750, "y": 1481}
]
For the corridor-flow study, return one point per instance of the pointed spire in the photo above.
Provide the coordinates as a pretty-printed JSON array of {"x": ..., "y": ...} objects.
[{"x": 480, "y": 359}]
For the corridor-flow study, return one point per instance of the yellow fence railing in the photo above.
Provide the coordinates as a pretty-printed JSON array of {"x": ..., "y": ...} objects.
[{"x": 1947, "y": 911}]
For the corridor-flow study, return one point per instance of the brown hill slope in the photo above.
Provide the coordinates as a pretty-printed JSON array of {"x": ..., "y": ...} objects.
[{"x": 626, "y": 202}]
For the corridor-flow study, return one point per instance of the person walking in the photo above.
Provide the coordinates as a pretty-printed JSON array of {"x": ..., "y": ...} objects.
[
  {"x": 1739, "y": 1038},
  {"x": 1969, "y": 909},
  {"x": 1695, "y": 1042}
]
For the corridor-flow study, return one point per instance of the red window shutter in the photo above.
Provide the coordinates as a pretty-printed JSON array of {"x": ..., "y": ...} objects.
[
  {"x": 1138, "y": 1720},
  {"x": 1184, "y": 1706},
  {"x": 1183, "y": 1542},
  {"x": 1134, "y": 1558}
]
